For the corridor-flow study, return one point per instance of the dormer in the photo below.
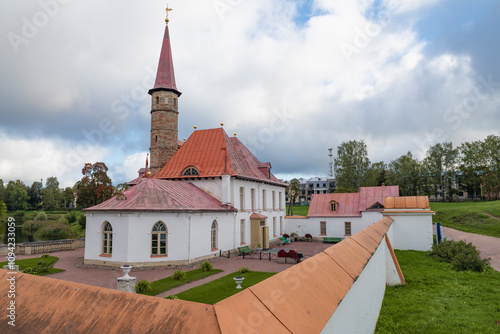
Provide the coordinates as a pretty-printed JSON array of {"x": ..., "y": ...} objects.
[
  {"x": 334, "y": 206},
  {"x": 375, "y": 206},
  {"x": 265, "y": 168}
]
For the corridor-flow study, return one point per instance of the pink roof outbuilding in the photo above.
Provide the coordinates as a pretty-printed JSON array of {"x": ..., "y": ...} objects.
[{"x": 350, "y": 204}]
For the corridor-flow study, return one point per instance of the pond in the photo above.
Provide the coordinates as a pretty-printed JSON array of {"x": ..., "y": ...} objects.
[{"x": 22, "y": 235}]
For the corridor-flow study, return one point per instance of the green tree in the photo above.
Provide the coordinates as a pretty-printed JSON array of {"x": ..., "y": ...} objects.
[
  {"x": 95, "y": 187},
  {"x": 472, "y": 166},
  {"x": 3, "y": 192},
  {"x": 440, "y": 164},
  {"x": 68, "y": 197},
  {"x": 351, "y": 165},
  {"x": 51, "y": 194},
  {"x": 293, "y": 191},
  {"x": 3, "y": 210},
  {"x": 406, "y": 173},
  {"x": 17, "y": 196},
  {"x": 35, "y": 195},
  {"x": 376, "y": 175},
  {"x": 491, "y": 178}
]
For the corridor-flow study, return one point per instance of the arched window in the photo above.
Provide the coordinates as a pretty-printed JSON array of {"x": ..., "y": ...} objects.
[
  {"x": 107, "y": 239},
  {"x": 159, "y": 239},
  {"x": 157, "y": 100},
  {"x": 214, "y": 235},
  {"x": 190, "y": 171}
]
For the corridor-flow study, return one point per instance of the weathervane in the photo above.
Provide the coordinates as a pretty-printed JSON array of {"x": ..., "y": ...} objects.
[{"x": 168, "y": 10}]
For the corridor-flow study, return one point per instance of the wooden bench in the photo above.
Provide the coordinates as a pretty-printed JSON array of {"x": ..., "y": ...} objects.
[
  {"x": 331, "y": 240},
  {"x": 245, "y": 250}
]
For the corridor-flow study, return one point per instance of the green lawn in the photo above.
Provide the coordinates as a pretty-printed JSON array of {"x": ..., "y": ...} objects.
[
  {"x": 27, "y": 263},
  {"x": 437, "y": 299},
  {"x": 299, "y": 210},
  {"x": 469, "y": 216},
  {"x": 221, "y": 288},
  {"x": 168, "y": 283}
]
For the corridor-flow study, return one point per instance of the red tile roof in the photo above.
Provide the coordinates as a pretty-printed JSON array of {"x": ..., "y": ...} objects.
[
  {"x": 162, "y": 195},
  {"x": 165, "y": 78},
  {"x": 350, "y": 204},
  {"x": 213, "y": 153},
  {"x": 256, "y": 215}
]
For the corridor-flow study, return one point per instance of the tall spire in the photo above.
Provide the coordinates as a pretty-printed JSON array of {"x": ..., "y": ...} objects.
[{"x": 165, "y": 78}]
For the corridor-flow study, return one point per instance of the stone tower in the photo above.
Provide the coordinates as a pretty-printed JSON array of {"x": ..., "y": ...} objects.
[{"x": 164, "y": 109}]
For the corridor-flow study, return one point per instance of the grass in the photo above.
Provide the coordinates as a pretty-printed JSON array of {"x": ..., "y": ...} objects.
[
  {"x": 27, "y": 263},
  {"x": 437, "y": 299},
  {"x": 168, "y": 283},
  {"x": 299, "y": 210},
  {"x": 221, "y": 288},
  {"x": 469, "y": 216}
]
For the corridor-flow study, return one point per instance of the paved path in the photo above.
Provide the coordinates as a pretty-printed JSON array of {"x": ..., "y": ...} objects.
[
  {"x": 106, "y": 278},
  {"x": 488, "y": 246}
]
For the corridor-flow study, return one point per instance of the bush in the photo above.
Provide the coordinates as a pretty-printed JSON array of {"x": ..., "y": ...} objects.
[
  {"x": 31, "y": 270},
  {"x": 244, "y": 270},
  {"x": 32, "y": 225},
  {"x": 41, "y": 216},
  {"x": 82, "y": 220},
  {"x": 143, "y": 286},
  {"x": 55, "y": 231},
  {"x": 72, "y": 217},
  {"x": 171, "y": 297},
  {"x": 44, "y": 256},
  {"x": 179, "y": 275},
  {"x": 462, "y": 256},
  {"x": 206, "y": 266}
]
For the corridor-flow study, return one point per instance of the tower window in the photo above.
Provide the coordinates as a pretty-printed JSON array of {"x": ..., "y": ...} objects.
[
  {"x": 156, "y": 139},
  {"x": 166, "y": 100},
  {"x": 190, "y": 171},
  {"x": 157, "y": 100}
]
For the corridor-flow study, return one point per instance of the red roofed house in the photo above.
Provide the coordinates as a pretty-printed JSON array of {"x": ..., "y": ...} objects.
[
  {"x": 207, "y": 194},
  {"x": 342, "y": 215}
]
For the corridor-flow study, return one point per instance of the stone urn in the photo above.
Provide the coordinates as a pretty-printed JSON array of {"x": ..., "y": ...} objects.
[
  {"x": 238, "y": 280},
  {"x": 126, "y": 269}
]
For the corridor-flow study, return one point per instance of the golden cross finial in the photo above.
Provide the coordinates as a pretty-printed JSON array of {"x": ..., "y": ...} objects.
[{"x": 168, "y": 10}]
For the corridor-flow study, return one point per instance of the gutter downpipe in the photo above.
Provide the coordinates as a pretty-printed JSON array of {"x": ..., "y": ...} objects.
[{"x": 189, "y": 239}]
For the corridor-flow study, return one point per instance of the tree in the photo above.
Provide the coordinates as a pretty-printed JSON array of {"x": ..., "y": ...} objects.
[
  {"x": 351, "y": 165},
  {"x": 440, "y": 164},
  {"x": 293, "y": 191},
  {"x": 51, "y": 194},
  {"x": 3, "y": 192},
  {"x": 3, "y": 210},
  {"x": 95, "y": 187},
  {"x": 68, "y": 197},
  {"x": 35, "y": 195},
  {"x": 406, "y": 173},
  {"x": 491, "y": 148},
  {"x": 376, "y": 175},
  {"x": 472, "y": 166},
  {"x": 17, "y": 196}
]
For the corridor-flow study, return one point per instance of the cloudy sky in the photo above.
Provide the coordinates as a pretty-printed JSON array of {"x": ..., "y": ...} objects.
[{"x": 291, "y": 78}]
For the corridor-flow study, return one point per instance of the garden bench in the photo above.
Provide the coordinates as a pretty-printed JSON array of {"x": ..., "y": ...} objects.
[
  {"x": 331, "y": 240},
  {"x": 245, "y": 250}
]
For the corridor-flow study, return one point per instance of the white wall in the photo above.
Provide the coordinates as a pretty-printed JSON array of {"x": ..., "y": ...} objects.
[{"x": 412, "y": 231}]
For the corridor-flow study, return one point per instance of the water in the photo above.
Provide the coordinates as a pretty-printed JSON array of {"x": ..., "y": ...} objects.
[{"x": 22, "y": 235}]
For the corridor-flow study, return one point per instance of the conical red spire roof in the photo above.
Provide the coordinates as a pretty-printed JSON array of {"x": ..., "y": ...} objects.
[{"x": 165, "y": 78}]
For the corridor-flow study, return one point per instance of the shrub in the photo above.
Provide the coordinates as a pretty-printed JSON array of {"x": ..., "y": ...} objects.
[
  {"x": 244, "y": 270},
  {"x": 206, "y": 266},
  {"x": 82, "y": 220},
  {"x": 55, "y": 231},
  {"x": 31, "y": 270},
  {"x": 41, "y": 216},
  {"x": 44, "y": 256},
  {"x": 286, "y": 236},
  {"x": 462, "y": 256},
  {"x": 179, "y": 275},
  {"x": 143, "y": 286},
  {"x": 32, "y": 225},
  {"x": 72, "y": 217},
  {"x": 171, "y": 297}
]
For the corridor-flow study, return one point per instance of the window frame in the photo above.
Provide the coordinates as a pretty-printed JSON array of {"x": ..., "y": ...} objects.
[
  {"x": 322, "y": 228},
  {"x": 214, "y": 235},
  {"x": 347, "y": 228},
  {"x": 158, "y": 234},
  {"x": 242, "y": 198},
  {"x": 107, "y": 239}
]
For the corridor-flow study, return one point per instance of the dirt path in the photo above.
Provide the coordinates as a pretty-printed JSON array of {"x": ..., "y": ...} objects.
[{"x": 488, "y": 246}]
